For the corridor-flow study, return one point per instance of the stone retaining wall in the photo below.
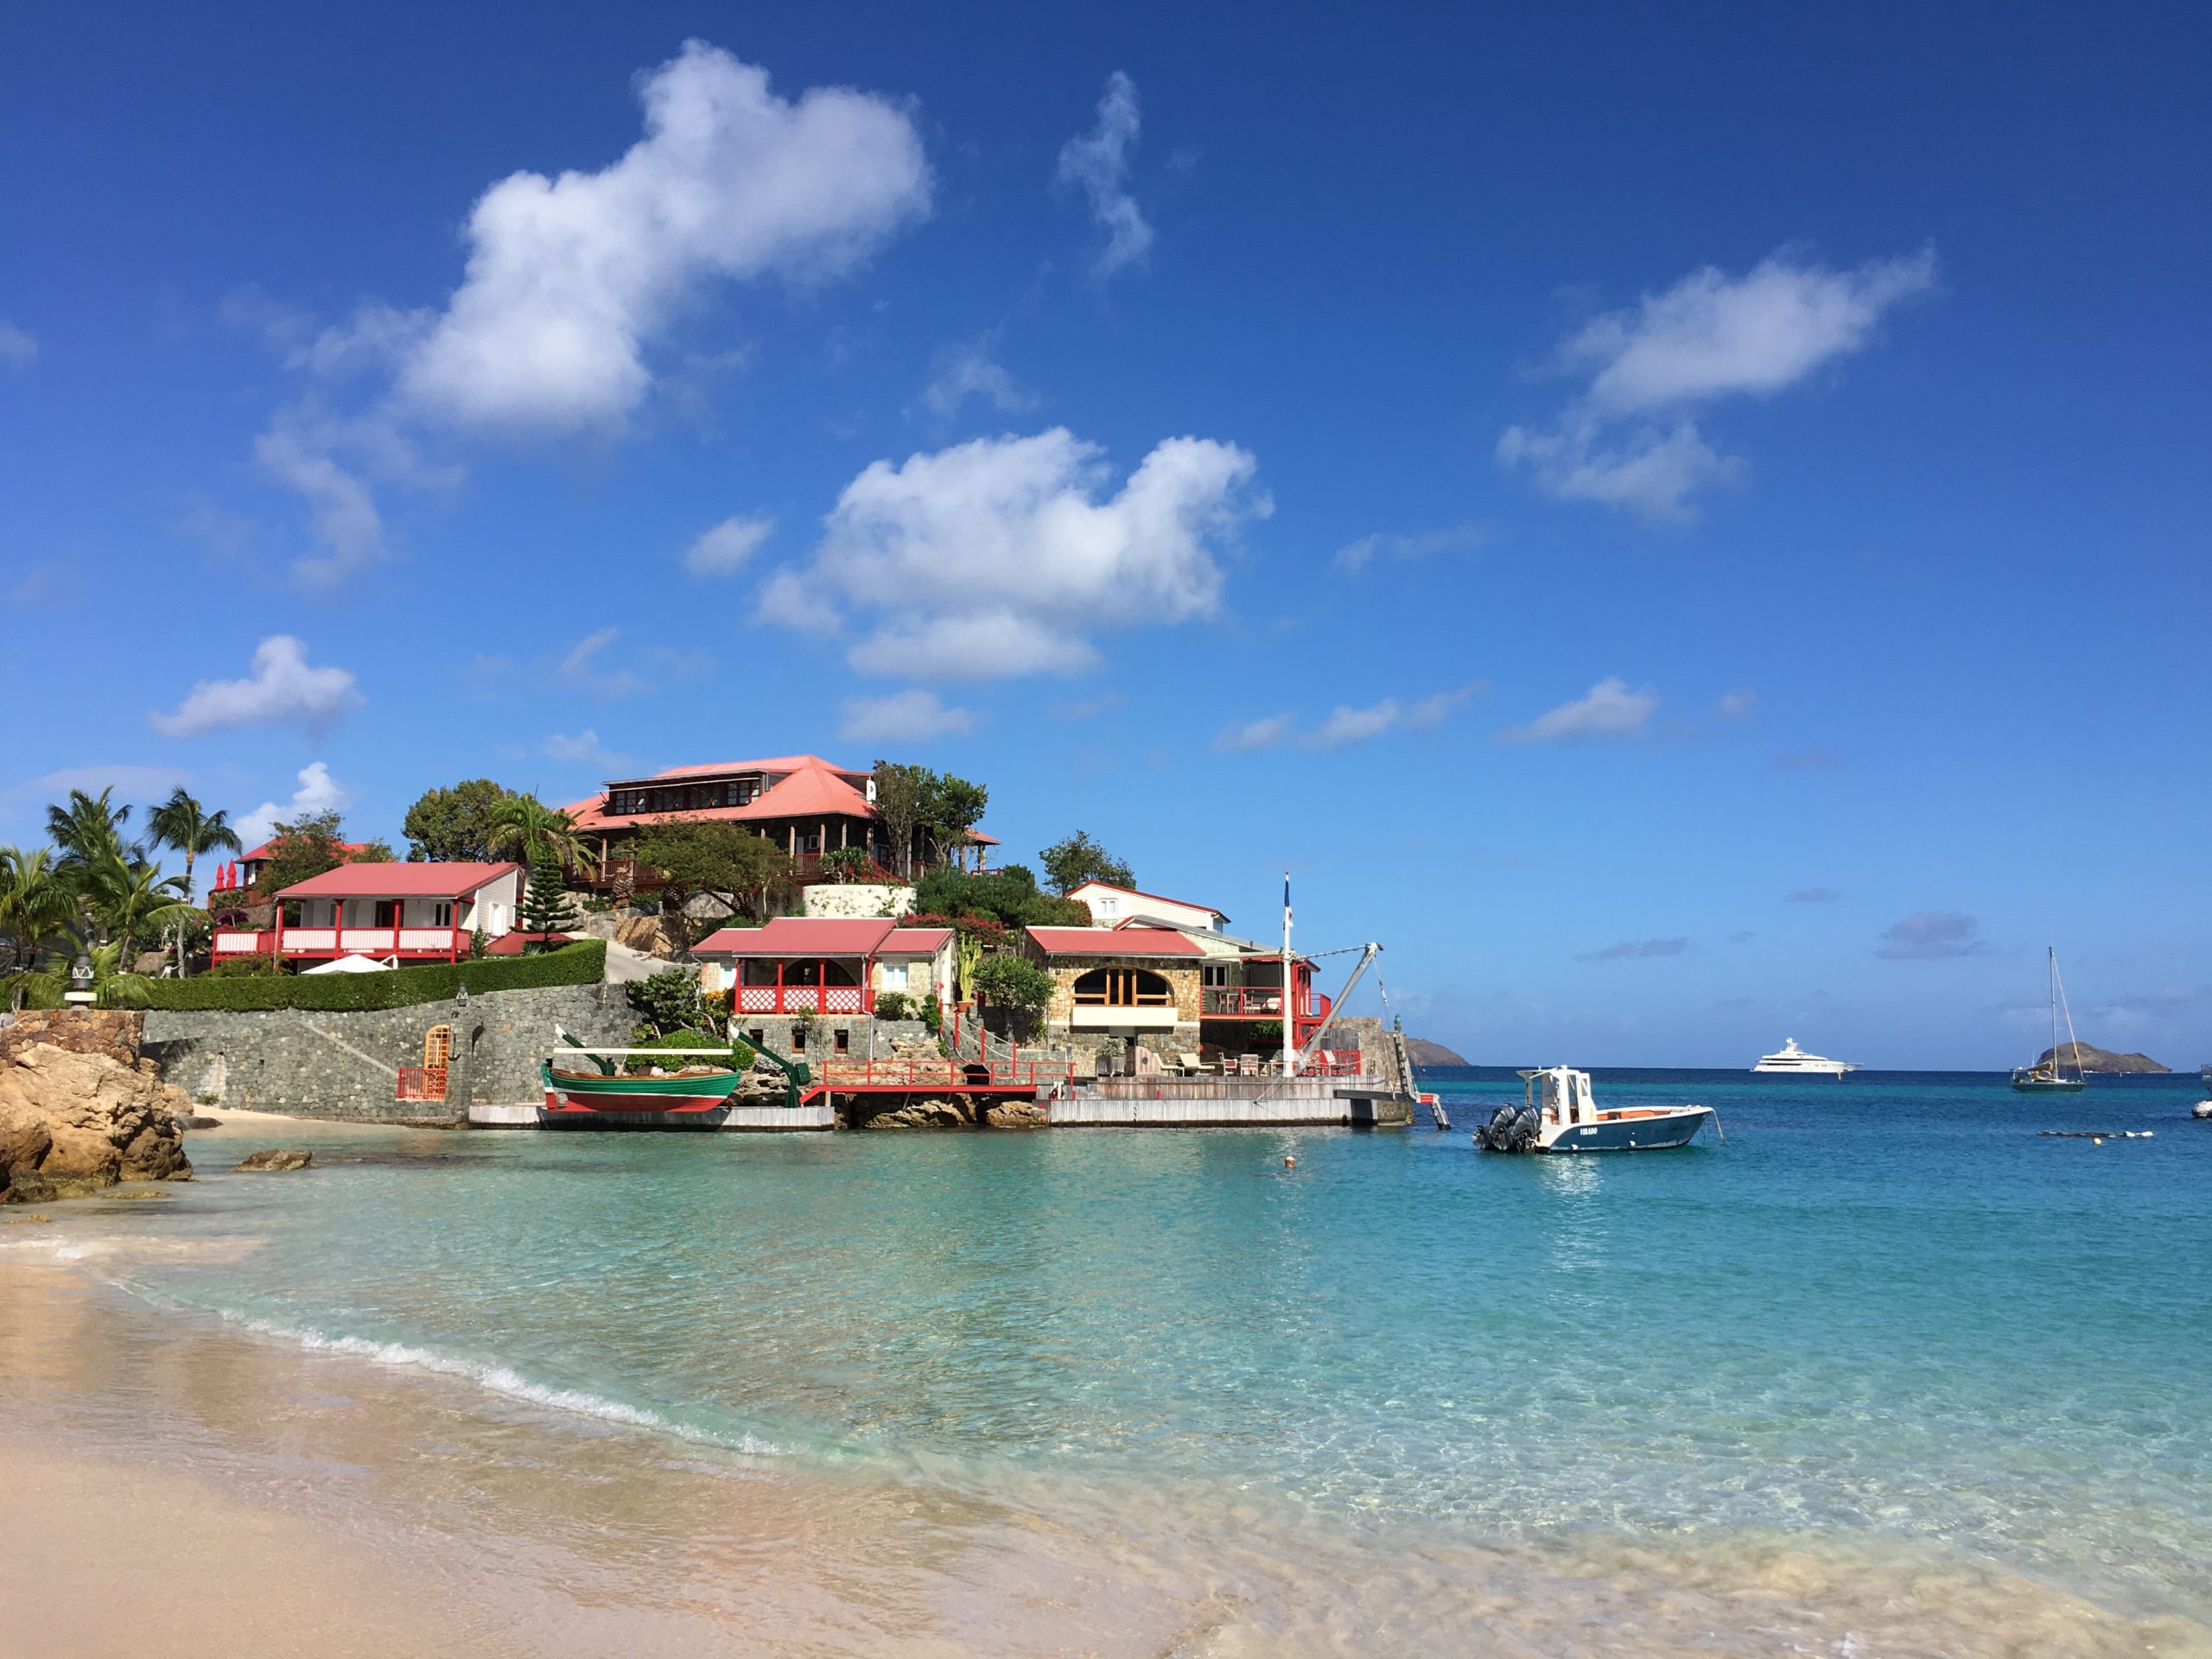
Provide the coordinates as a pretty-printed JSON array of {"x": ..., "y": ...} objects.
[{"x": 314, "y": 1063}]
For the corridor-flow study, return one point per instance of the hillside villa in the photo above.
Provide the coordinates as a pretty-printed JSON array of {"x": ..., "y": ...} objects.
[
  {"x": 826, "y": 971},
  {"x": 387, "y": 911},
  {"x": 800, "y": 802}
]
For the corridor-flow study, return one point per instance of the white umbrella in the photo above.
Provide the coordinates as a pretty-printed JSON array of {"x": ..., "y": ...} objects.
[{"x": 353, "y": 964}]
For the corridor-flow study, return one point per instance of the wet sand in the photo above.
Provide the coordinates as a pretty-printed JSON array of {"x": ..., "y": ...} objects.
[{"x": 278, "y": 1501}]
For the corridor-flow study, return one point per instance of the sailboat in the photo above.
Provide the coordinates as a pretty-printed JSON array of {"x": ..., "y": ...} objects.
[{"x": 2048, "y": 1076}]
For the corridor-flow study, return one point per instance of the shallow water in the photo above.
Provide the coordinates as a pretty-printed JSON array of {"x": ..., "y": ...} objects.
[{"x": 1887, "y": 1349}]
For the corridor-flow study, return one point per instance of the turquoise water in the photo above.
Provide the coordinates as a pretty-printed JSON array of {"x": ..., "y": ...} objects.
[{"x": 1885, "y": 1310}]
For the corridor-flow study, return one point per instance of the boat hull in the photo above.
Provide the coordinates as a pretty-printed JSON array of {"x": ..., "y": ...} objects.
[
  {"x": 669, "y": 1096},
  {"x": 1644, "y": 1132},
  {"x": 2048, "y": 1085}
]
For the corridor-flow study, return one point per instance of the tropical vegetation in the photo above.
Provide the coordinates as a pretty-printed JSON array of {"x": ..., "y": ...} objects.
[
  {"x": 715, "y": 859},
  {"x": 1069, "y": 863},
  {"x": 926, "y": 815},
  {"x": 454, "y": 826},
  {"x": 519, "y": 825}
]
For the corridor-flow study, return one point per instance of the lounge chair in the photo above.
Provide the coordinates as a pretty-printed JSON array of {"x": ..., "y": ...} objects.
[{"x": 1193, "y": 1065}]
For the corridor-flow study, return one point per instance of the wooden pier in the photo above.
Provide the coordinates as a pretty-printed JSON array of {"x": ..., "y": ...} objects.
[{"x": 1225, "y": 1102}]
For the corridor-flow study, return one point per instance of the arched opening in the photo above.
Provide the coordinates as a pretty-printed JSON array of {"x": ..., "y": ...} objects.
[{"x": 1123, "y": 988}]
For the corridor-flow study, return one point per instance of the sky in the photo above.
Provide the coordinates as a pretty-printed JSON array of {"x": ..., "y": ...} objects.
[{"x": 1686, "y": 525}]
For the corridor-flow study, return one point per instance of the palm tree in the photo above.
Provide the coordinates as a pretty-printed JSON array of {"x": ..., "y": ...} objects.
[
  {"x": 88, "y": 826},
  {"x": 181, "y": 822},
  {"x": 522, "y": 824},
  {"x": 130, "y": 896},
  {"x": 35, "y": 903}
]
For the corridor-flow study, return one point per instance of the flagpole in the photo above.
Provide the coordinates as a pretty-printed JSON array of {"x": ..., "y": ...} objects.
[{"x": 1289, "y": 1019}]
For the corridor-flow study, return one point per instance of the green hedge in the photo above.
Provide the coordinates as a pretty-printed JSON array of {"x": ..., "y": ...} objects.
[{"x": 582, "y": 962}]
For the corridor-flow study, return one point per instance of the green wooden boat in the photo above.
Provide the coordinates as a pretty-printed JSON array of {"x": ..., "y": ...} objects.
[{"x": 588, "y": 1081}]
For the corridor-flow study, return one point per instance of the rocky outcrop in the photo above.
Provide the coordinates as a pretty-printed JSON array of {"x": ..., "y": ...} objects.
[
  {"x": 112, "y": 1032},
  {"x": 2103, "y": 1061},
  {"x": 276, "y": 1158},
  {"x": 1425, "y": 1052},
  {"x": 1017, "y": 1114},
  {"x": 649, "y": 934},
  {"x": 72, "y": 1123},
  {"x": 905, "y": 1113}
]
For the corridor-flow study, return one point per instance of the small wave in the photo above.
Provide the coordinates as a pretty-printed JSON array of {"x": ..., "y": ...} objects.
[{"x": 496, "y": 1378}]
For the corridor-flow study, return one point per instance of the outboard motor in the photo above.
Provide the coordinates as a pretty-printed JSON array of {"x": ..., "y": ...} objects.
[{"x": 1512, "y": 1128}]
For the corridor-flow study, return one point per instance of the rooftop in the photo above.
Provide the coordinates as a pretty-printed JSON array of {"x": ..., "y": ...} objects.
[
  {"x": 825, "y": 936},
  {"x": 1139, "y": 893},
  {"x": 396, "y": 880},
  {"x": 1114, "y": 942}
]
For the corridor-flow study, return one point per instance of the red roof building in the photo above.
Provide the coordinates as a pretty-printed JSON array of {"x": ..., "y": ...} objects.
[
  {"x": 386, "y": 911},
  {"x": 804, "y": 965},
  {"x": 804, "y": 804}
]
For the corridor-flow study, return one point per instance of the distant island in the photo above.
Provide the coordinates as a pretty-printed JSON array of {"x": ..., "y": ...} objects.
[
  {"x": 1425, "y": 1052},
  {"x": 2090, "y": 1058}
]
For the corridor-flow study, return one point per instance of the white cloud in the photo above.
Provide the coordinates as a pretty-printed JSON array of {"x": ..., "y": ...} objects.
[
  {"x": 584, "y": 749},
  {"x": 1098, "y": 162},
  {"x": 318, "y": 793},
  {"x": 282, "y": 691},
  {"x": 1346, "y": 725},
  {"x": 1268, "y": 731},
  {"x": 1647, "y": 471},
  {"x": 571, "y": 283},
  {"x": 341, "y": 507},
  {"x": 581, "y": 668},
  {"x": 18, "y": 347},
  {"x": 1932, "y": 935},
  {"x": 1739, "y": 704},
  {"x": 1355, "y": 556},
  {"x": 1627, "y": 441},
  {"x": 568, "y": 278},
  {"x": 909, "y": 716},
  {"x": 723, "y": 550},
  {"x": 1609, "y": 709},
  {"x": 998, "y": 558},
  {"x": 971, "y": 372}
]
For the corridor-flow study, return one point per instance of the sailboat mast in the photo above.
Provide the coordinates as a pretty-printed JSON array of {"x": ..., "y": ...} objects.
[
  {"x": 2053, "y": 950},
  {"x": 2073, "y": 1043}
]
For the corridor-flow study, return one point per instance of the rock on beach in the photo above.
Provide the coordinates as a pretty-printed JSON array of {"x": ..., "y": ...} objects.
[
  {"x": 276, "y": 1158},
  {"x": 70, "y": 1124}
]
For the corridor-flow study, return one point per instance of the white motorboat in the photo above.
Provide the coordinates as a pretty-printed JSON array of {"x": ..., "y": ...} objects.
[
  {"x": 1559, "y": 1113},
  {"x": 1791, "y": 1060}
]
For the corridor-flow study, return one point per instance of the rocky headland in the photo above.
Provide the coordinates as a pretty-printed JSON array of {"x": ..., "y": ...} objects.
[
  {"x": 2102, "y": 1061},
  {"x": 73, "y": 1123},
  {"x": 1425, "y": 1052}
]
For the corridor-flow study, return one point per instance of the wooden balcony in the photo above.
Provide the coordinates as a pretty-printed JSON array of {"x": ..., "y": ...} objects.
[
  {"x": 803, "y": 999},
  {"x": 417, "y": 944}
]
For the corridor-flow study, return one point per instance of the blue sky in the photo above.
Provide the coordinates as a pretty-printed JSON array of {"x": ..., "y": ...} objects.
[{"x": 1690, "y": 527}]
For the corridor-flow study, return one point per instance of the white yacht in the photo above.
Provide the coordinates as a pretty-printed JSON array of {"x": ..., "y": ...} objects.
[{"x": 1791, "y": 1059}]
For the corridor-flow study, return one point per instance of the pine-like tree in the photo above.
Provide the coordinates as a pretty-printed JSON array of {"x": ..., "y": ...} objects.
[{"x": 546, "y": 905}]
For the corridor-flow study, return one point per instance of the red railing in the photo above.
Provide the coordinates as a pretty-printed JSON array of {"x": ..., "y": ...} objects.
[
  {"x": 803, "y": 999},
  {"x": 940, "y": 1074},
  {"x": 1242, "y": 1002},
  {"x": 423, "y": 942},
  {"x": 422, "y": 1083}
]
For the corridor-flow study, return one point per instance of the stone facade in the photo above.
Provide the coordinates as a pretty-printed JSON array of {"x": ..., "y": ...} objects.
[
  {"x": 856, "y": 899},
  {"x": 345, "y": 1064},
  {"x": 776, "y": 1031}
]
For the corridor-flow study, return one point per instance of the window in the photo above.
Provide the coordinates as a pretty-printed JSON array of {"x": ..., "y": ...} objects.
[
  {"x": 798, "y": 1040},
  {"x": 757, "y": 1037},
  {"x": 387, "y": 913},
  {"x": 1214, "y": 973},
  {"x": 1108, "y": 905},
  {"x": 894, "y": 976},
  {"x": 442, "y": 915},
  {"x": 841, "y": 1040},
  {"x": 1123, "y": 988}
]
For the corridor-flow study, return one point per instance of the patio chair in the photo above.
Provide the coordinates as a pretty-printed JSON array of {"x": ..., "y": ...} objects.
[{"x": 1193, "y": 1065}]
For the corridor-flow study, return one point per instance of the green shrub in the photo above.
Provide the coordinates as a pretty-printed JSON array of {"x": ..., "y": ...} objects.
[
  {"x": 583, "y": 962},
  {"x": 261, "y": 967},
  {"x": 894, "y": 1005},
  {"x": 668, "y": 1001},
  {"x": 1012, "y": 982},
  {"x": 742, "y": 1055}
]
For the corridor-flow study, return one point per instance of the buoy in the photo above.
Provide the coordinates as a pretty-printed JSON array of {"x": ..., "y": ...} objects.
[
  {"x": 1289, "y": 1162},
  {"x": 2096, "y": 1140}
]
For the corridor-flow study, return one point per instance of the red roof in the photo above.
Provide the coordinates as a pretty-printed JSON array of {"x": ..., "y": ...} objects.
[
  {"x": 915, "y": 941},
  {"x": 812, "y": 788},
  {"x": 1113, "y": 942},
  {"x": 801, "y": 936},
  {"x": 394, "y": 881},
  {"x": 1139, "y": 893},
  {"x": 268, "y": 849}
]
